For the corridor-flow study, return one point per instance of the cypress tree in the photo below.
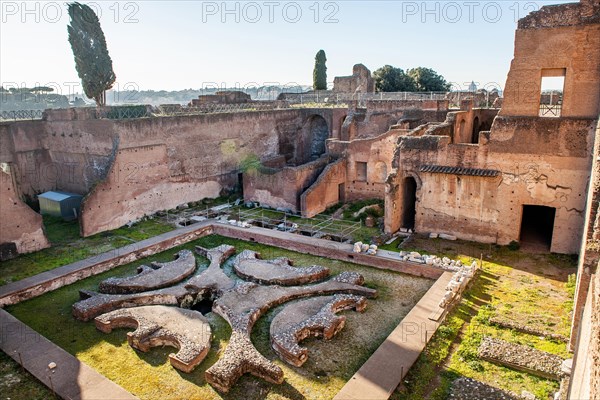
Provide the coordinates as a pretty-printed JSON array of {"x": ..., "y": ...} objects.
[
  {"x": 92, "y": 62},
  {"x": 320, "y": 71}
]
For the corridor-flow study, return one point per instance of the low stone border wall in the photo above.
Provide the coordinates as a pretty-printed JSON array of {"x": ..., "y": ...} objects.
[
  {"x": 37, "y": 285},
  {"x": 470, "y": 389},
  {"x": 329, "y": 249},
  {"x": 523, "y": 358},
  {"x": 503, "y": 323}
]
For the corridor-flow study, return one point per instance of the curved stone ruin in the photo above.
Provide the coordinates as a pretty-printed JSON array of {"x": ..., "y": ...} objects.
[
  {"x": 312, "y": 317},
  {"x": 157, "y": 326},
  {"x": 155, "y": 276},
  {"x": 241, "y": 303},
  {"x": 248, "y": 265}
]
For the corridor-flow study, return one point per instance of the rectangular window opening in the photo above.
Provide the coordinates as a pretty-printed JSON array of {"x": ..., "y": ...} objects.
[{"x": 552, "y": 89}]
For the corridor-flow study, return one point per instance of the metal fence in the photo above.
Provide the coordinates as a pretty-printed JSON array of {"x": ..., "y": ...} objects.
[
  {"x": 175, "y": 110},
  {"x": 123, "y": 112},
  {"x": 320, "y": 226},
  {"x": 328, "y": 97},
  {"x": 550, "y": 110},
  {"x": 321, "y": 99},
  {"x": 21, "y": 115}
]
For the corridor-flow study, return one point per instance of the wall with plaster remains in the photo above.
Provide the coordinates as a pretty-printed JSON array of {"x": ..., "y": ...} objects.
[
  {"x": 326, "y": 191},
  {"x": 585, "y": 328},
  {"x": 21, "y": 228},
  {"x": 281, "y": 187},
  {"x": 131, "y": 168}
]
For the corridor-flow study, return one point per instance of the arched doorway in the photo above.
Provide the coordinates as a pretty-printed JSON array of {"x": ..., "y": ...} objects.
[
  {"x": 409, "y": 200},
  {"x": 318, "y": 134},
  {"x": 475, "y": 135}
]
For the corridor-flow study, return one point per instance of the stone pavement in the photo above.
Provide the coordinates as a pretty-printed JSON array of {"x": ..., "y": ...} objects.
[
  {"x": 387, "y": 366},
  {"x": 71, "y": 379}
]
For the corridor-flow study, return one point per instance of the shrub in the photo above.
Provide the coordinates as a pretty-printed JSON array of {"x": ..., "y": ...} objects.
[{"x": 514, "y": 245}]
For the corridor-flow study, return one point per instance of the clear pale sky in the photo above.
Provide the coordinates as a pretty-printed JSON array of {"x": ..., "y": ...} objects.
[{"x": 174, "y": 45}]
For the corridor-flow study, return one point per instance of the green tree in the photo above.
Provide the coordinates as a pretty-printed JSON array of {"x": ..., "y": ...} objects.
[
  {"x": 392, "y": 79},
  {"x": 427, "y": 80},
  {"x": 92, "y": 62},
  {"x": 320, "y": 71},
  {"x": 41, "y": 89}
]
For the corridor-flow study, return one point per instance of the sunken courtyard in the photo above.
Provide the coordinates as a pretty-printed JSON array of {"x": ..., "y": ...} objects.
[{"x": 344, "y": 243}]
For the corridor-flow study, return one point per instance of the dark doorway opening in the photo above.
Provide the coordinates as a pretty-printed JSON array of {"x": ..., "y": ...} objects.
[
  {"x": 240, "y": 178},
  {"x": 204, "y": 306},
  {"x": 319, "y": 133},
  {"x": 475, "y": 135},
  {"x": 409, "y": 203},
  {"x": 341, "y": 192},
  {"x": 537, "y": 226}
]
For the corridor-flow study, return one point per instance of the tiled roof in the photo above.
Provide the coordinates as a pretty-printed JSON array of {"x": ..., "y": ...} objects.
[{"x": 442, "y": 169}]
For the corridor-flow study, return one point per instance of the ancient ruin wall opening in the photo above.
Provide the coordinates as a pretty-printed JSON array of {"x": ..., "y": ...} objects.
[
  {"x": 409, "y": 200},
  {"x": 552, "y": 89},
  {"x": 537, "y": 226},
  {"x": 319, "y": 133},
  {"x": 476, "y": 128}
]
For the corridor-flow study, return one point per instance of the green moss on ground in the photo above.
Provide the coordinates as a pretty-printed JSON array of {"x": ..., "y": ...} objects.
[{"x": 150, "y": 376}]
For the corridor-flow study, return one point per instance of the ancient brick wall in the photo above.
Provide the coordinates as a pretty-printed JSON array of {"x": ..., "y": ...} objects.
[
  {"x": 165, "y": 162},
  {"x": 281, "y": 188},
  {"x": 553, "y": 173},
  {"x": 19, "y": 224},
  {"x": 360, "y": 81},
  {"x": 326, "y": 190},
  {"x": 585, "y": 328},
  {"x": 556, "y": 37},
  {"x": 537, "y": 161}
]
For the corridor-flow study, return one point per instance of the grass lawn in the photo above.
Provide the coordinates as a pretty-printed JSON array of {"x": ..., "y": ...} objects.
[
  {"x": 150, "y": 376},
  {"x": 68, "y": 246},
  {"x": 525, "y": 288}
]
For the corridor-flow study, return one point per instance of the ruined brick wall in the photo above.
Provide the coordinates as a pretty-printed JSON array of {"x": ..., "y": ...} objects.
[
  {"x": 556, "y": 37},
  {"x": 19, "y": 224},
  {"x": 326, "y": 190},
  {"x": 379, "y": 116},
  {"x": 282, "y": 188},
  {"x": 540, "y": 161},
  {"x": 360, "y": 81},
  {"x": 585, "y": 328},
  {"x": 536, "y": 167},
  {"x": 131, "y": 168},
  {"x": 468, "y": 124},
  {"x": 59, "y": 154},
  {"x": 165, "y": 162},
  {"x": 377, "y": 153},
  {"x": 595, "y": 343}
]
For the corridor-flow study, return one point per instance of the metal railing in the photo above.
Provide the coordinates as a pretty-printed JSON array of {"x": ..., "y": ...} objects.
[
  {"x": 319, "y": 226},
  {"x": 21, "y": 115},
  {"x": 328, "y": 97},
  {"x": 123, "y": 112},
  {"x": 550, "y": 110},
  {"x": 175, "y": 110}
]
